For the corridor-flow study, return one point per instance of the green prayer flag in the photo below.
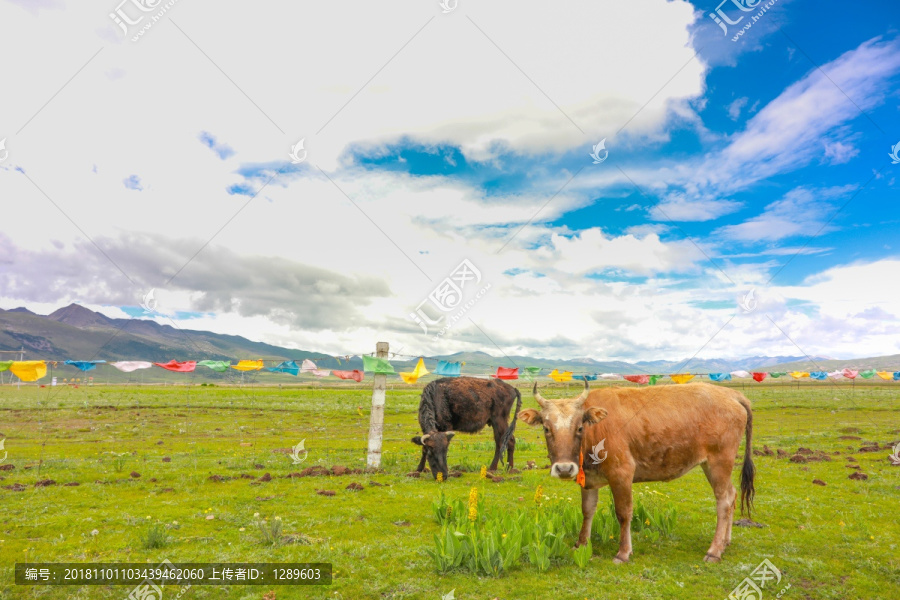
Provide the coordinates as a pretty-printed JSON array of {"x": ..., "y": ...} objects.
[
  {"x": 379, "y": 366},
  {"x": 529, "y": 373},
  {"x": 219, "y": 366},
  {"x": 867, "y": 374},
  {"x": 654, "y": 378},
  {"x": 4, "y": 364},
  {"x": 777, "y": 374}
]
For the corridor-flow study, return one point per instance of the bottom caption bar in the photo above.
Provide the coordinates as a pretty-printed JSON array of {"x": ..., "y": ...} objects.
[{"x": 168, "y": 573}]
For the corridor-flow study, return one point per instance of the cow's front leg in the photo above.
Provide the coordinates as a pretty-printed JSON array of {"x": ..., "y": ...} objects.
[
  {"x": 621, "y": 490},
  {"x": 588, "y": 508},
  {"x": 421, "y": 466}
]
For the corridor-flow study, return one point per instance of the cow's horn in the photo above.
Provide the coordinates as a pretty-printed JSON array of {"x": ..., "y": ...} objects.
[
  {"x": 540, "y": 400},
  {"x": 425, "y": 437},
  {"x": 587, "y": 390}
]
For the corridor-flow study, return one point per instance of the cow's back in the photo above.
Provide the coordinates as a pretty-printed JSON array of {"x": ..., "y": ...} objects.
[{"x": 667, "y": 430}]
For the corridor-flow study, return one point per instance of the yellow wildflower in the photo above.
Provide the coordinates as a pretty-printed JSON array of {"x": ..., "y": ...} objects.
[
  {"x": 440, "y": 477},
  {"x": 538, "y": 494},
  {"x": 473, "y": 504},
  {"x": 483, "y": 471},
  {"x": 647, "y": 522}
]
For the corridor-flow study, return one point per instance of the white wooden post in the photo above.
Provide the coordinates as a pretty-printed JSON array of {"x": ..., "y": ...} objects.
[{"x": 376, "y": 420}]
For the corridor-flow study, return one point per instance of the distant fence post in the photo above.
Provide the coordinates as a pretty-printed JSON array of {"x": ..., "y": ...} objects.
[{"x": 376, "y": 420}]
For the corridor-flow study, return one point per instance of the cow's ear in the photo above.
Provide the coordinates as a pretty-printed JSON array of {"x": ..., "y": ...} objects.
[
  {"x": 417, "y": 440},
  {"x": 531, "y": 416},
  {"x": 594, "y": 415}
]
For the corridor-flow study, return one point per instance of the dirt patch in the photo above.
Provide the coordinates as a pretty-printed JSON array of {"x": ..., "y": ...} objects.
[
  {"x": 747, "y": 523},
  {"x": 283, "y": 451},
  {"x": 44, "y": 483},
  {"x": 314, "y": 471},
  {"x": 135, "y": 475},
  {"x": 402, "y": 523},
  {"x": 264, "y": 498},
  {"x": 376, "y": 484},
  {"x": 218, "y": 478},
  {"x": 849, "y": 437},
  {"x": 247, "y": 476},
  {"x": 7, "y": 467},
  {"x": 415, "y": 474},
  {"x": 873, "y": 448},
  {"x": 325, "y": 492},
  {"x": 258, "y": 466},
  {"x": 164, "y": 490},
  {"x": 765, "y": 451},
  {"x": 857, "y": 467},
  {"x": 781, "y": 453},
  {"x": 16, "y": 487},
  {"x": 72, "y": 484},
  {"x": 495, "y": 478},
  {"x": 850, "y": 430},
  {"x": 804, "y": 451},
  {"x": 339, "y": 470},
  {"x": 851, "y": 459},
  {"x": 798, "y": 458},
  {"x": 818, "y": 482},
  {"x": 859, "y": 476},
  {"x": 354, "y": 487},
  {"x": 166, "y": 459},
  {"x": 266, "y": 477}
]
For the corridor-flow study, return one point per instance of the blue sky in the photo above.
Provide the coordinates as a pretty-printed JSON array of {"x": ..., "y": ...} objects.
[{"x": 758, "y": 164}]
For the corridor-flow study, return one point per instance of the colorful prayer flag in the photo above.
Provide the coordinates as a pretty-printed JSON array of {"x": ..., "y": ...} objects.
[
  {"x": 187, "y": 366},
  {"x": 413, "y": 376},
  {"x": 507, "y": 373}
]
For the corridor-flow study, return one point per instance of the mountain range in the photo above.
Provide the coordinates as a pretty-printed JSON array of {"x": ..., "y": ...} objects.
[{"x": 78, "y": 333}]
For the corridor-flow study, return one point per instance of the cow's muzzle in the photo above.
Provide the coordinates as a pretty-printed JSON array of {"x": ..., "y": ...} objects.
[{"x": 564, "y": 470}]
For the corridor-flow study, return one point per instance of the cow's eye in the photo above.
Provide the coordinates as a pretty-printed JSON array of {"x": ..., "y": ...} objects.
[
  {"x": 581, "y": 429},
  {"x": 546, "y": 431}
]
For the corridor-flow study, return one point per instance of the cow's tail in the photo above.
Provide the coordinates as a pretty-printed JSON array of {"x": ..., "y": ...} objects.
[
  {"x": 748, "y": 471},
  {"x": 504, "y": 441}
]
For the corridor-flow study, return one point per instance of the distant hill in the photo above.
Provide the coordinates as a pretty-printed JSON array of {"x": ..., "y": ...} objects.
[{"x": 78, "y": 333}]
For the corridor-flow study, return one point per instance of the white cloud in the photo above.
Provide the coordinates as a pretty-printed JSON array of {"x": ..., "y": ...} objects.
[{"x": 735, "y": 108}]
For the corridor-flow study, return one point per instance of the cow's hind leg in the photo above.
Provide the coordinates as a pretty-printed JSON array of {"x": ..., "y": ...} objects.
[
  {"x": 510, "y": 450},
  {"x": 718, "y": 472},
  {"x": 499, "y": 430},
  {"x": 588, "y": 508},
  {"x": 621, "y": 491}
]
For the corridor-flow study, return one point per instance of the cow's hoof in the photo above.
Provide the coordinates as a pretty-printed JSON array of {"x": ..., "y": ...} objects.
[
  {"x": 619, "y": 561},
  {"x": 712, "y": 559}
]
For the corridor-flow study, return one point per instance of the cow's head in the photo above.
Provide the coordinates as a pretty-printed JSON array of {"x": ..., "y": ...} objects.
[
  {"x": 564, "y": 421},
  {"x": 435, "y": 445}
]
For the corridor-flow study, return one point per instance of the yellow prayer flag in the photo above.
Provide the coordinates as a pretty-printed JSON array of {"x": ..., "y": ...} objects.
[
  {"x": 886, "y": 375},
  {"x": 555, "y": 375},
  {"x": 420, "y": 371},
  {"x": 29, "y": 370},
  {"x": 799, "y": 374},
  {"x": 248, "y": 365},
  {"x": 681, "y": 377}
]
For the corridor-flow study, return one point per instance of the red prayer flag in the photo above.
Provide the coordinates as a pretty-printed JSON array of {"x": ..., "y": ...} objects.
[
  {"x": 850, "y": 373},
  {"x": 180, "y": 367},
  {"x": 642, "y": 379},
  {"x": 355, "y": 375},
  {"x": 507, "y": 373},
  {"x": 759, "y": 376}
]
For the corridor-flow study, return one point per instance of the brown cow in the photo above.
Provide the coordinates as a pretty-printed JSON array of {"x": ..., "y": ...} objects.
[{"x": 649, "y": 434}]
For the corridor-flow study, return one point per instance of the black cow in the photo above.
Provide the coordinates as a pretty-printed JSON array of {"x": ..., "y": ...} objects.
[{"x": 465, "y": 404}]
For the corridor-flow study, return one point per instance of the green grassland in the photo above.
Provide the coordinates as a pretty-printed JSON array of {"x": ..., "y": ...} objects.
[{"x": 837, "y": 541}]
